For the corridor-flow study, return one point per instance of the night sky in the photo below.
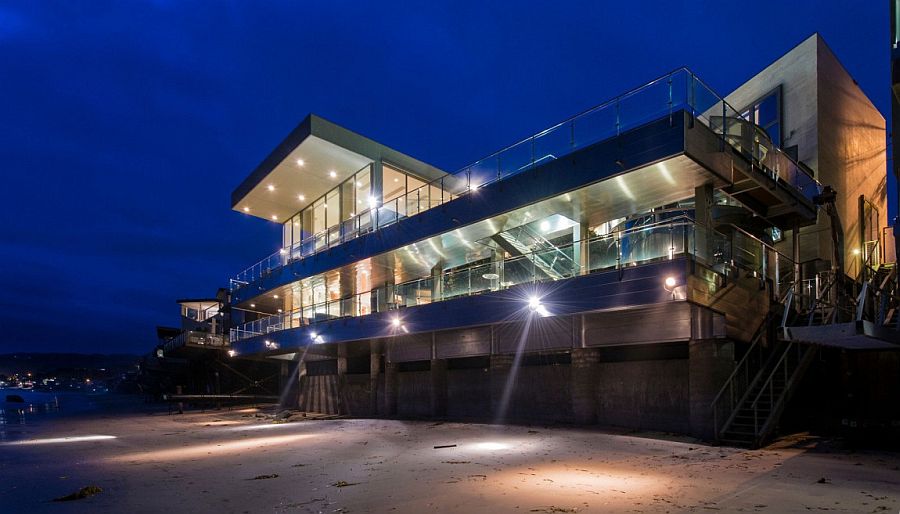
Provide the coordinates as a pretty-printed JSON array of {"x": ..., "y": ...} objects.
[{"x": 126, "y": 125}]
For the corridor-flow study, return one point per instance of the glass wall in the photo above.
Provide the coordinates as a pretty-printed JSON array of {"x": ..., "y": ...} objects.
[{"x": 321, "y": 222}]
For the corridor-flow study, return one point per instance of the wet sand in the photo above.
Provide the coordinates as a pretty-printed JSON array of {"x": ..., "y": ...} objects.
[{"x": 237, "y": 461}]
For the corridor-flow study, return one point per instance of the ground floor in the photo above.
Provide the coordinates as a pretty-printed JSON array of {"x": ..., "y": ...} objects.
[{"x": 240, "y": 461}]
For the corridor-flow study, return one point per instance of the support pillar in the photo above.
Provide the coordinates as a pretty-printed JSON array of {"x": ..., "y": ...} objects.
[
  {"x": 374, "y": 374},
  {"x": 795, "y": 248},
  {"x": 302, "y": 404},
  {"x": 710, "y": 363},
  {"x": 501, "y": 366},
  {"x": 342, "y": 406},
  {"x": 581, "y": 233},
  {"x": 703, "y": 204},
  {"x": 438, "y": 387},
  {"x": 585, "y": 372},
  {"x": 390, "y": 389}
]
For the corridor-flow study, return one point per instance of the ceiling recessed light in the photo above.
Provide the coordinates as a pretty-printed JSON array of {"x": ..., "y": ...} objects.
[
  {"x": 325, "y": 205},
  {"x": 270, "y": 187},
  {"x": 275, "y": 296},
  {"x": 246, "y": 209},
  {"x": 358, "y": 183},
  {"x": 332, "y": 173},
  {"x": 274, "y": 218},
  {"x": 300, "y": 162},
  {"x": 252, "y": 305},
  {"x": 301, "y": 197}
]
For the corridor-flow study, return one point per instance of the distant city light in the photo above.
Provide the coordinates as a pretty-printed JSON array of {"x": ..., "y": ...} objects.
[
  {"x": 232, "y": 353},
  {"x": 670, "y": 282},
  {"x": 395, "y": 321}
]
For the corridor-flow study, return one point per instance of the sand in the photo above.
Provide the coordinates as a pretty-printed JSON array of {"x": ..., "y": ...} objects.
[{"x": 234, "y": 461}]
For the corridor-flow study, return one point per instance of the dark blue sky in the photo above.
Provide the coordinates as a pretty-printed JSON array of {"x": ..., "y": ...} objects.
[{"x": 125, "y": 125}]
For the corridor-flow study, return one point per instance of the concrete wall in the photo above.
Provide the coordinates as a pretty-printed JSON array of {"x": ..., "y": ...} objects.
[
  {"x": 649, "y": 394},
  {"x": 466, "y": 394},
  {"x": 414, "y": 393}
]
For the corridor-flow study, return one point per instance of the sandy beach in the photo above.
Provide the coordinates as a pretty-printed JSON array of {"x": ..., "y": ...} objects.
[{"x": 240, "y": 461}]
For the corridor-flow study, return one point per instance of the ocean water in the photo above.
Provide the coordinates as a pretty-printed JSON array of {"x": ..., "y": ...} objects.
[{"x": 39, "y": 407}]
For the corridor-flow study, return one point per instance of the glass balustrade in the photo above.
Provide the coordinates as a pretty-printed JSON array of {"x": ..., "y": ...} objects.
[
  {"x": 679, "y": 90},
  {"x": 723, "y": 253}
]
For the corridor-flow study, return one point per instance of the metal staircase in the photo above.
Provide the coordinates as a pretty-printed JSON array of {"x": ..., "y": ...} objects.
[
  {"x": 546, "y": 257},
  {"x": 760, "y": 407},
  {"x": 828, "y": 312}
]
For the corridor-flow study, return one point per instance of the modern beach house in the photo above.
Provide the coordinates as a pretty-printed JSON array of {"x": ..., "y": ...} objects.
[{"x": 672, "y": 259}]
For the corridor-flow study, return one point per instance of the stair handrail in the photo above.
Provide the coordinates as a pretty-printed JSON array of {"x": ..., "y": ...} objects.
[
  {"x": 758, "y": 432},
  {"x": 767, "y": 383},
  {"x": 729, "y": 382}
]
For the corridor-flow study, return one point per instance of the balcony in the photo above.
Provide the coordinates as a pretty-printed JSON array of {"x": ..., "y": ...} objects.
[
  {"x": 724, "y": 253},
  {"x": 678, "y": 91},
  {"x": 195, "y": 339}
]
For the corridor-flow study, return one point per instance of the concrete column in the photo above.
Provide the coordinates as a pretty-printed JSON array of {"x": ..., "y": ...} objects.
[
  {"x": 703, "y": 204},
  {"x": 585, "y": 370},
  {"x": 390, "y": 389},
  {"x": 580, "y": 235},
  {"x": 374, "y": 374},
  {"x": 795, "y": 248},
  {"x": 710, "y": 363},
  {"x": 438, "y": 387},
  {"x": 501, "y": 365},
  {"x": 301, "y": 379},
  {"x": 341, "y": 378}
]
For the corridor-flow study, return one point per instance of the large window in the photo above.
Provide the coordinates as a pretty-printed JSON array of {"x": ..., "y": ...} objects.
[
  {"x": 308, "y": 228},
  {"x": 766, "y": 114}
]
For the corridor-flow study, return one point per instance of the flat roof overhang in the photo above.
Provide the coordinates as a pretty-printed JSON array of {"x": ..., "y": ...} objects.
[
  {"x": 273, "y": 190},
  {"x": 658, "y": 163}
]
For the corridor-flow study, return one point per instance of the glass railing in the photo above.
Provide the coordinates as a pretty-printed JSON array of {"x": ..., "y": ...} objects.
[
  {"x": 623, "y": 249},
  {"x": 729, "y": 255},
  {"x": 679, "y": 90}
]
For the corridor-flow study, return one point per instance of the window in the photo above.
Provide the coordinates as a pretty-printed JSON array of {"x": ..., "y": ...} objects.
[{"x": 766, "y": 114}]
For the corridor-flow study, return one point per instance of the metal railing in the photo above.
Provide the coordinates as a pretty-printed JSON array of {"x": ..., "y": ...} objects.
[
  {"x": 195, "y": 338},
  {"x": 675, "y": 91},
  {"x": 648, "y": 243}
]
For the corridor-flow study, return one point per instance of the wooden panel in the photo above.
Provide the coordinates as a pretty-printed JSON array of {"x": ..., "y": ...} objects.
[
  {"x": 413, "y": 347},
  {"x": 654, "y": 324},
  {"x": 468, "y": 342}
]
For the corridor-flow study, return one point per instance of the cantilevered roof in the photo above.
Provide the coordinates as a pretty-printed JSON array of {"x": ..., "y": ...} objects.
[
  {"x": 199, "y": 303},
  {"x": 314, "y": 158}
]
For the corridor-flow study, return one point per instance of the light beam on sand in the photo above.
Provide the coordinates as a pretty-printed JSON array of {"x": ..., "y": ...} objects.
[
  {"x": 491, "y": 446},
  {"x": 56, "y": 440},
  {"x": 201, "y": 451}
]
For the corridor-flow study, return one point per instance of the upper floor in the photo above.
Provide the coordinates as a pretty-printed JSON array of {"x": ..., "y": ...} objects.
[{"x": 338, "y": 205}]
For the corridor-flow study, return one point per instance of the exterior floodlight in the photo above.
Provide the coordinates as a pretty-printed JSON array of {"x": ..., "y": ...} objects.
[
  {"x": 670, "y": 283},
  {"x": 395, "y": 322},
  {"x": 534, "y": 303},
  {"x": 232, "y": 353},
  {"x": 313, "y": 335}
]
